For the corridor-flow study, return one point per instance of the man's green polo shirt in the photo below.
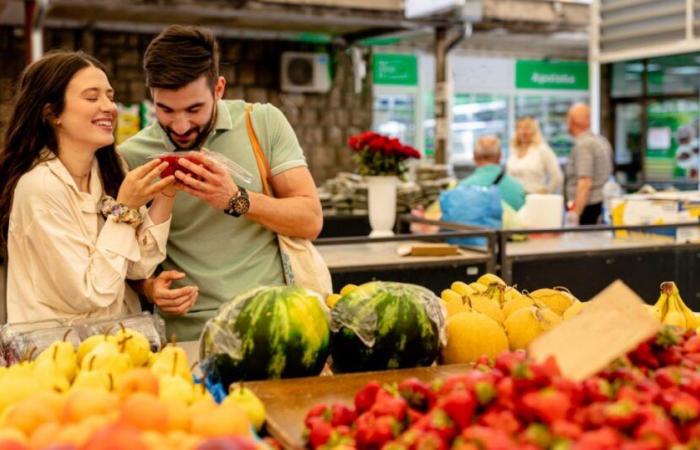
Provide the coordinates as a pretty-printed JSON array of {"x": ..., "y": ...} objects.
[
  {"x": 511, "y": 190},
  {"x": 221, "y": 254}
]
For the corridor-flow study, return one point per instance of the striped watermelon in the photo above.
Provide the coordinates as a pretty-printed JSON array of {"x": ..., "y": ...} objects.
[
  {"x": 386, "y": 325},
  {"x": 268, "y": 332}
]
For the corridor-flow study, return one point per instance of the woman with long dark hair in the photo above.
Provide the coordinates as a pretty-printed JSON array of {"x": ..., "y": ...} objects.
[{"x": 73, "y": 221}]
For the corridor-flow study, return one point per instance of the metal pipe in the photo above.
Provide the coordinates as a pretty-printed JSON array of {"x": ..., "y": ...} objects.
[{"x": 36, "y": 13}]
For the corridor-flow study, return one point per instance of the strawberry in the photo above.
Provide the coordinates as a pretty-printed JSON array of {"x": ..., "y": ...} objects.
[
  {"x": 643, "y": 355},
  {"x": 372, "y": 432},
  {"x": 597, "y": 389},
  {"x": 413, "y": 416},
  {"x": 342, "y": 414},
  {"x": 658, "y": 430},
  {"x": 438, "y": 421},
  {"x": 640, "y": 445},
  {"x": 500, "y": 419},
  {"x": 431, "y": 441},
  {"x": 486, "y": 439},
  {"x": 566, "y": 430},
  {"x": 387, "y": 404},
  {"x": 508, "y": 361},
  {"x": 505, "y": 393},
  {"x": 621, "y": 414},
  {"x": 485, "y": 391},
  {"x": 692, "y": 345},
  {"x": 320, "y": 410},
  {"x": 547, "y": 405},
  {"x": 319, "y": 432},
  {"x": 605, "y": 438},
  {"x": 681, "y": 405},
  {"x": 365, "y": 397},
  {"x": 459, "y": 407},
  {"x": 418, "y": 394},
  {"x": 536, "y": 434}
]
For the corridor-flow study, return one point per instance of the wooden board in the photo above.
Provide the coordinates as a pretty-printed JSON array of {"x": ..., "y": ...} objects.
[
  {"x": 612, "y": 324},
  {"x": 287, "y": 401}
]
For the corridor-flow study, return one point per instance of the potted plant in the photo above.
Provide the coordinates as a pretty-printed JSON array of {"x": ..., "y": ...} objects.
[{"x": 381, "y": 160}]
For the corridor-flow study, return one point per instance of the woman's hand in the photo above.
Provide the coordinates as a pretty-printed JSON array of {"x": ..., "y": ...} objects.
[{"x": 139, "y": 185}]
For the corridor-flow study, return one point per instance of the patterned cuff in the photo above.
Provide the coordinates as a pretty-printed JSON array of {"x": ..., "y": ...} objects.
[{"x": 120, "y": 213}]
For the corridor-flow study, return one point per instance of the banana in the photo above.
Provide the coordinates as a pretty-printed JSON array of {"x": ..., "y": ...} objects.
[
  {"x": 690, "y": 321},
  {"x": 462, "y": 288},
  {"x": 674, "y": 316}
]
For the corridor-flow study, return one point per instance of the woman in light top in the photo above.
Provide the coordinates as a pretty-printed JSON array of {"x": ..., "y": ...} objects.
[
  {"x": 531, "y": 161},
  {"x": 74, "y": 223}
]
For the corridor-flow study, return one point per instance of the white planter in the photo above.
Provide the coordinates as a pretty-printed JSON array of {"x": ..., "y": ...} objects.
[{"x": 381, "y": 192}]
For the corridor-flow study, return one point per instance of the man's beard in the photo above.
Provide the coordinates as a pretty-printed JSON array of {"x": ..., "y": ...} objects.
[{"x": 201, "y": 134}]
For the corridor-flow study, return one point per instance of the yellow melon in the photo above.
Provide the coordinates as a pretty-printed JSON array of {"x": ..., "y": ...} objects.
[
  {"x": 485, "y": 305},
  {"x": 515, "y": 303},
  {"x": 525, "y": 324},
  {"x": 488, "y": 279},
  {"x": 454, "y": 303},
  {"x": 556, "y": 299},
  {"x": 471, "y": 335}
]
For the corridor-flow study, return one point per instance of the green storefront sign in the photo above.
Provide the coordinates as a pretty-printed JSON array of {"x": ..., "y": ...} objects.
[
  {"x": 395, "y": 69},
  {"x": 566, "y": 75}
]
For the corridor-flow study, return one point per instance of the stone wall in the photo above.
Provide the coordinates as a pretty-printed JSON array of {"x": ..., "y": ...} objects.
[{"x": 322, "y": 121}]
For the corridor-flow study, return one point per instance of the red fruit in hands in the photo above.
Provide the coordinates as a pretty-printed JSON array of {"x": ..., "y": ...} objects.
[
  {"x": 459, "y": 407},
  {"x": 174, "y": 164},
  {"x": 365, "y": 397},
  {"x": 418, "y": 394}
]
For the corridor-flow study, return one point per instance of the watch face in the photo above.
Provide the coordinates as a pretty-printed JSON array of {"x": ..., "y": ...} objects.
[{"x": 241, "y": 205}]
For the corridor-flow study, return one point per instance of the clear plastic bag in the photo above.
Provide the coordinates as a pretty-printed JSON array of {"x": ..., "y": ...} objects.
[
  {"x": 240, "y": 174},
  {"x": 151, "y": 326},
  {"x": 26, "y": 340}
]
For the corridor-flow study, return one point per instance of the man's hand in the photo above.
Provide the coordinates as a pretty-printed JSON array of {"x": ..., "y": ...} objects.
[
  {"x": 174, "y": 302},
  {"x": 213, "y": 184}
]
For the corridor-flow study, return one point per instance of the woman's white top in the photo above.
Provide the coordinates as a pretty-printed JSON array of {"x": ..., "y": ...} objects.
[
  {"x": 66, "y": 261},
  {"x": 537, "y": 170}
]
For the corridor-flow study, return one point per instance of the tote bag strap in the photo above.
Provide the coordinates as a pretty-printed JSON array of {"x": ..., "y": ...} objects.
[{"x": 263, "y": 165}]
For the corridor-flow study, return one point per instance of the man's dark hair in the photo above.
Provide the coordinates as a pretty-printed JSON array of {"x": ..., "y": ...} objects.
[{"x": 179, "y": 55}]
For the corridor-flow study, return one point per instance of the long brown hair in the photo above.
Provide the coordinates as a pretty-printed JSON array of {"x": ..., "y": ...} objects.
[{"x": 40, "y": 96}]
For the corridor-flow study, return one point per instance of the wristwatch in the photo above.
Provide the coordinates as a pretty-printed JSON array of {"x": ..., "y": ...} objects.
[{"x": 238, "y": 204}]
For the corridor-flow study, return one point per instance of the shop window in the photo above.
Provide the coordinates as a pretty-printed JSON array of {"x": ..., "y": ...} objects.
[
  {"x": 673, "y": 75},
  {"x": 628, "y": 141},
  {"x": 475, "y": 115},
  {"x": 394, "y": 115},
  {"x": 627, "y": 79},
  {"x": 672, "y": 150}
]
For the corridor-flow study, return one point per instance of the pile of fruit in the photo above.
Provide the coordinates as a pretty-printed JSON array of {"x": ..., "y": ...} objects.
[
  {"x": 488, "y": 317},
  {"x": 649, "y": 399},
  {"x": 670, "y": 309},
  {"x": 113, "y": 392}
]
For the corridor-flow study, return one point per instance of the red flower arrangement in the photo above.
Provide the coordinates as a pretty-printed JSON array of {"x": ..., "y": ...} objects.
[{"x": 379, "y": 155}]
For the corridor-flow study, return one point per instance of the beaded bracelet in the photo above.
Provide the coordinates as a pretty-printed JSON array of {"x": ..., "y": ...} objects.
[{"x": 120, "y": 212}]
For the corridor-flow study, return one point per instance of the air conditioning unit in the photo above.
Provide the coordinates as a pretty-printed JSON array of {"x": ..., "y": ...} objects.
[{"x": 305, "y": 72}]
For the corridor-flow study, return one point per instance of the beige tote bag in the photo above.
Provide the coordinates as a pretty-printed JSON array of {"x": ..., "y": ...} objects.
[{"x": 302, "y": 263}]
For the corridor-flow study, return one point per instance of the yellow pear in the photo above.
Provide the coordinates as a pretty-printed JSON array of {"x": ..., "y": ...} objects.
[
  {"x": 18, "y": 383},
  {"x": 245, "y": 399},
  {"x": 106, "y": 357},
  {"x": 135, "y": 344},
  {"x": 63, "y": 354},
  {"x": 88, "y": 344},
  {"x": 174, "y": 387},
  {"x": 172, "y": 360},
  {"x": 50, "y": 376},
  {"x": 93, "y": 379}
]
